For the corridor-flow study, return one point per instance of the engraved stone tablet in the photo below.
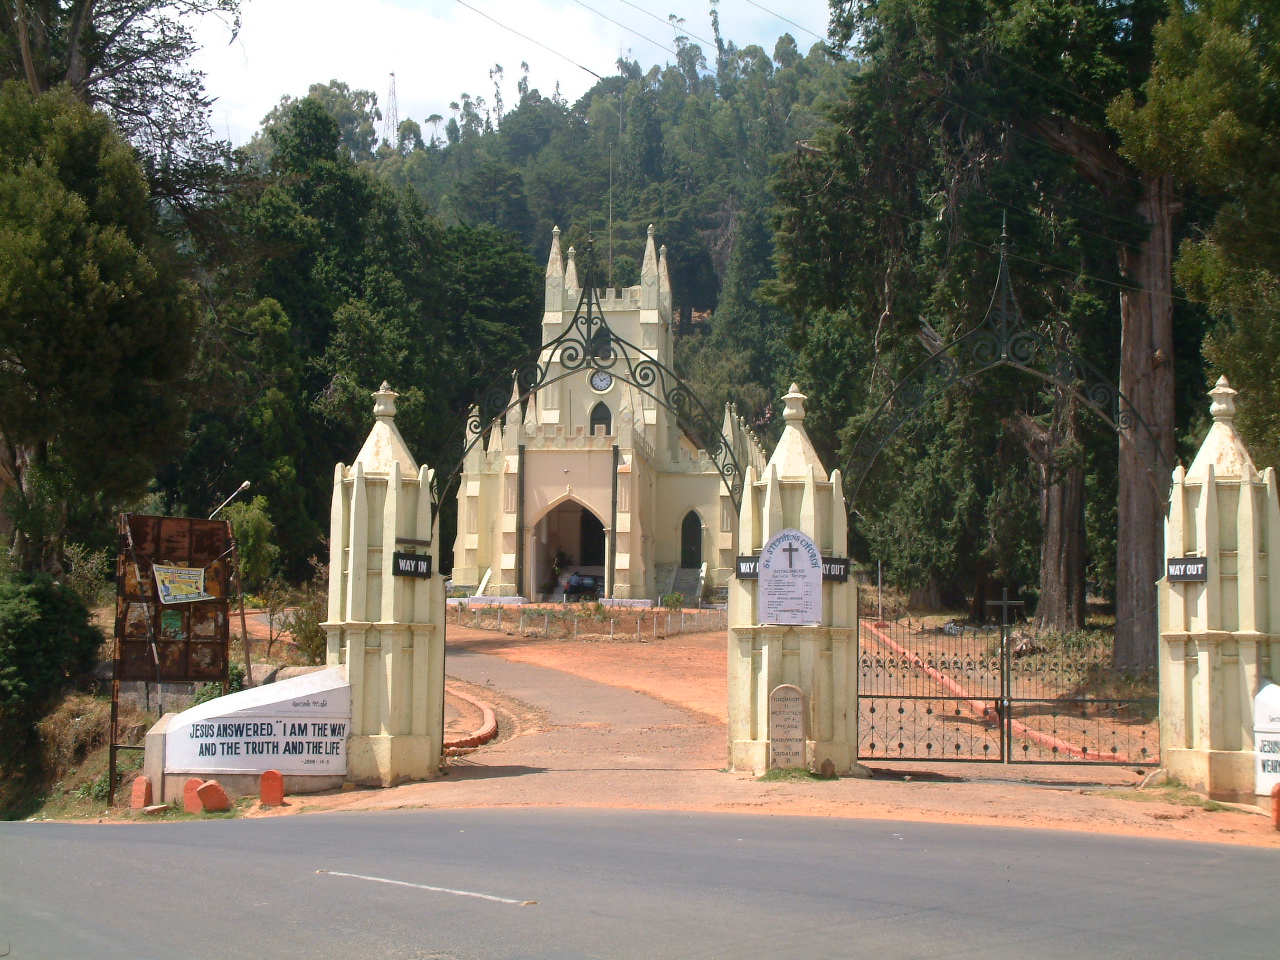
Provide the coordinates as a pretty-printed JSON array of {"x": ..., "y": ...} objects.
[
  {"x": 786, "y": 727},
  {"x": 789, "y": 590}
]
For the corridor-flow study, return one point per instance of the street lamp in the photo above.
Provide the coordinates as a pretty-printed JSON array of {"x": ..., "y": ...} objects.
[{"x": 235, "y": 493}]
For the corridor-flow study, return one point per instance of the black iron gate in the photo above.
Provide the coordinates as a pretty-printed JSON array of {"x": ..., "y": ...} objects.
[{"x": 952, "y": 692}]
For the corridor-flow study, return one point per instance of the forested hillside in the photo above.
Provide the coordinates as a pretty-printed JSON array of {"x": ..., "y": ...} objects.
[
  {"x": 832, "y": 216},
  {"x": 687, "y": 146}
]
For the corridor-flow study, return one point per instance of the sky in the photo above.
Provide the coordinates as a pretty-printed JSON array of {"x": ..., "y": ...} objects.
[{"x": 439, "y": 49}]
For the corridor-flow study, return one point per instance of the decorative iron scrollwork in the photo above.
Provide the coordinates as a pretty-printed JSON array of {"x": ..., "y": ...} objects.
[
  {"x": 589, "y": 344},
  {"x": 1004, "y": 339}
]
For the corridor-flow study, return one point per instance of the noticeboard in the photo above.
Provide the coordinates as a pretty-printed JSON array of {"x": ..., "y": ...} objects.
[{"x": 190, "y": 638}]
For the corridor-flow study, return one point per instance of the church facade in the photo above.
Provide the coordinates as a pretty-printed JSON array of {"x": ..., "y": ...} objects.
[{"x": 592, "y": 475}]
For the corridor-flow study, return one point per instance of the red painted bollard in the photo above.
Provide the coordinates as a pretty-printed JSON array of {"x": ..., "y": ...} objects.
[
  {"x": 213, "y": 798},
  {"x": 191, "y": 795},
  {"x": 140, "y": 793},
  {"x": 271, "y": 789}
]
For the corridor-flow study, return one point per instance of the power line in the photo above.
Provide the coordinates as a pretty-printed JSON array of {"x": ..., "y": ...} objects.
[
  {"x": 666, "y": 23},
  {"x": 785, "y": 20},
  {"x": 536, "y": 43},
  {"x": 603, "y": 16}
]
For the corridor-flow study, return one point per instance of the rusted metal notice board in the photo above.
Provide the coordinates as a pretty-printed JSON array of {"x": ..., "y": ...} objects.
[{"x": 173, "y": 598}]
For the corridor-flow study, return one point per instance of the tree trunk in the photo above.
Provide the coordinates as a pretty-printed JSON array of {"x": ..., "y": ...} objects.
[
  {"x": 1062, "y": 554},
  {"x": 1146, "y": 379},
  {"x": 1055, "y": 450}
]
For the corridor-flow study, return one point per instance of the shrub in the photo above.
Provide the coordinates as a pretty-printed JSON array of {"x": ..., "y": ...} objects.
[
  {"x": 673, "y": 601},
  {"x": 211, "y": 691},
  {"x": 310, "y": 610},
  {"x": 89, "y": 573},
  {"x": 255, "y": 539},
  {"x": 47, "y": 644}
]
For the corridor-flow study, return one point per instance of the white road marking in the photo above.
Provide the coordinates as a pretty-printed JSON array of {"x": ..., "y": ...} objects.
[{"x": 423, "y": 886}]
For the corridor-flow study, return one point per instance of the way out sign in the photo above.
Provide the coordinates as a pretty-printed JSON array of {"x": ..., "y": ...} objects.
[
  {"x": 1187, "y": 569},
  {"x": 790, "y": 580},
  {"x": 411, "y": 565}
]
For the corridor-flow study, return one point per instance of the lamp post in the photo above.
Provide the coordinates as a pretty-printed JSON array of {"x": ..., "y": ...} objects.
[
  {"x": 235, "y": 493},
  {"x": 235, "y": 552}
]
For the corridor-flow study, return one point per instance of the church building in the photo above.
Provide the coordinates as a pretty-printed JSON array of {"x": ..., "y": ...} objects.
[{"x": 592, "y": 474}]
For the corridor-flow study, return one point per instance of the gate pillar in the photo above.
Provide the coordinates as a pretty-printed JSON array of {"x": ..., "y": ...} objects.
[
  {"x": 822, "y": 659},
  {"x": 385, "y": 624},
  {"x": 1220, "y": 629}
]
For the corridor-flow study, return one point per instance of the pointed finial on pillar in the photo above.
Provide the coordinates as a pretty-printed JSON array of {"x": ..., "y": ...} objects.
[
  {"x": 795, "y": 404},
  {"x": 384, "y": 401},
  {"x": 1223, "y": 408},
  {"x": 384, "y": 445},
  {"x": 794, "y": 453}
]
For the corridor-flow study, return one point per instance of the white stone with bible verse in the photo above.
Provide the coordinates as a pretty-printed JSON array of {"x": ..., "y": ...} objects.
[
  {"x": 789, "y": 590},
  {"x": 786, "y": 728},
  {"x": 296, "y": 726}
]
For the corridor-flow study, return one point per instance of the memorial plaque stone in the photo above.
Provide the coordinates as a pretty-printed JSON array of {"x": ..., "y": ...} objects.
[
  {"x": 789, "y": 590},
  {"x": 786, "y": 727}
]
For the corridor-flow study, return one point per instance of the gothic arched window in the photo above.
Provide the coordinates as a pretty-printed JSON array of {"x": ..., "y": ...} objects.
[{"x": 601, "y": 417}]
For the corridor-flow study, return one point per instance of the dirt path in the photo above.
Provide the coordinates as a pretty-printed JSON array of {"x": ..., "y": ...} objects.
[{"x": 641, "y": 726}]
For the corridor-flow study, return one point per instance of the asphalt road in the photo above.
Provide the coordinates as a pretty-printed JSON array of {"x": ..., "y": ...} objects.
[{"x": 622, "y": 884}]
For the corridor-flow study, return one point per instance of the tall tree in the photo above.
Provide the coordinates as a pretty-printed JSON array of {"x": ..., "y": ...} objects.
[
  {"x": 129, "y": 58},
  {"x": 1209, "y": 116},
  {"x": 351, "y": 283},
  {"x": 999, "y": 80},
  {"x": 95, "y": 326}
]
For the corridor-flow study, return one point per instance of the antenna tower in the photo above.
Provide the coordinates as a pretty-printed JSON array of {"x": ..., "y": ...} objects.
[{"x": 391, "y": 117}]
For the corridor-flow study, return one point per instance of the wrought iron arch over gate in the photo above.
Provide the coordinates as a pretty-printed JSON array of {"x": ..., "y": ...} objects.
[
  {"x": 975, "y": 695},
  {"x": 589, "y": 344},
  {"x": 1004, "y": 339}
]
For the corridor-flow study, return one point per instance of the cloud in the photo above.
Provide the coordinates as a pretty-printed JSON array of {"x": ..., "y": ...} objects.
[{"x": 439, "y": 49}]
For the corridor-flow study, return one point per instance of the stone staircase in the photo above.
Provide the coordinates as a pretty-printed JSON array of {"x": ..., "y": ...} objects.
[
  {"x": 662, "y": 579},
  {"x": 688, "y": 583}
]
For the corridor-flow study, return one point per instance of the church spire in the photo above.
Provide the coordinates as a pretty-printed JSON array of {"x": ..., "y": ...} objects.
[
  {"x": 650, "y": 266},
  {"x": 571, "y": 273},
  {"x": 664, "y": 283},
  {"x": 649, "y": 275},
  {"x": 555, "y": 262},
  {"x": 555, "y": 275}
]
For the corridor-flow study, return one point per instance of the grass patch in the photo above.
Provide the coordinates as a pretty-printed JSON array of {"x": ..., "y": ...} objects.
[
  {"x": 1173, "y": 792},
  {"x": 794, "y": 775}
]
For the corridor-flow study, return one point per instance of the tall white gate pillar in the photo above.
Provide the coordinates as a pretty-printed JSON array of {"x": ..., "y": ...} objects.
[
  {"x": 1219, "y": 631},
  {"x": 385, "y": 623},
  {"x": 821, "y": 659}
]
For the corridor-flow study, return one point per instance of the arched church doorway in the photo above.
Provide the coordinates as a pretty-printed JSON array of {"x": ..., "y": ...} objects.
[
  {"x": 569, "y": 539},
  {"x": 691, "y": 541}
]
